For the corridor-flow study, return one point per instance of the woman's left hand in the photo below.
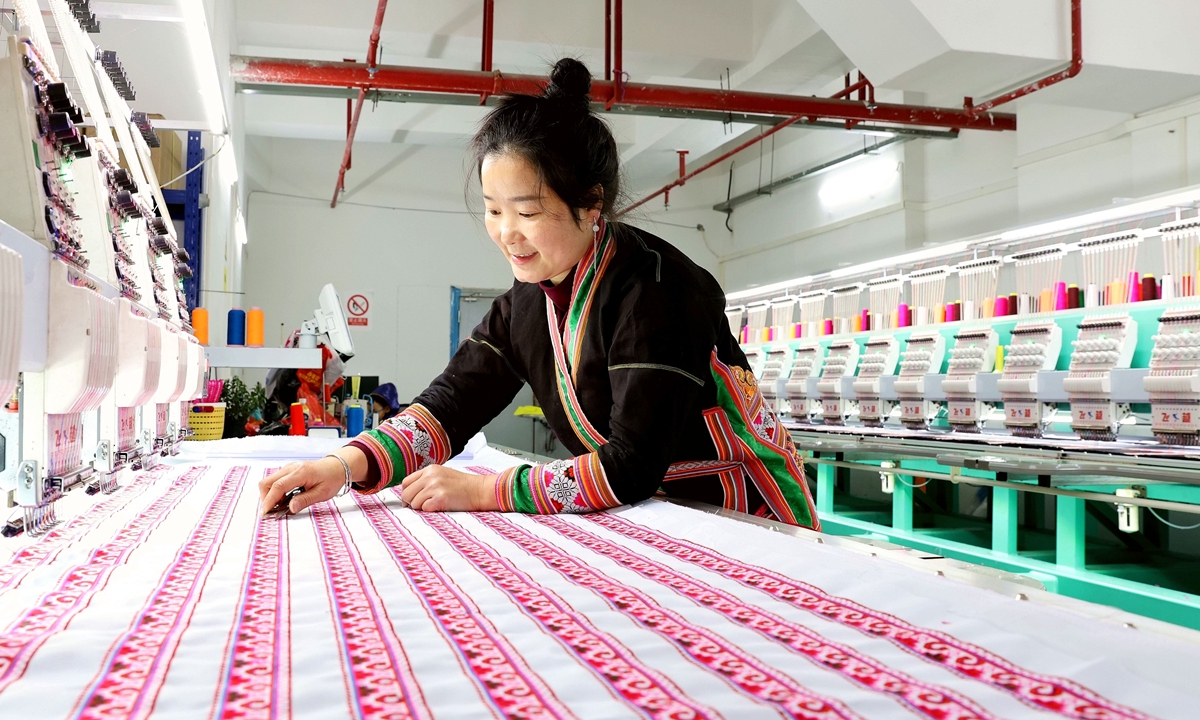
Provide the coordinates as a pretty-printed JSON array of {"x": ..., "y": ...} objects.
[{"x": 437, "y": 488}]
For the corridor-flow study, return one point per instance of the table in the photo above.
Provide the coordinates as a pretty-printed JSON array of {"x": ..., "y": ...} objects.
[{"x": 171, "y": 599}]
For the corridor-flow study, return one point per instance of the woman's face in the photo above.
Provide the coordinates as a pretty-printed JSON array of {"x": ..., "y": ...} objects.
[{"x": 529, "y": 222}]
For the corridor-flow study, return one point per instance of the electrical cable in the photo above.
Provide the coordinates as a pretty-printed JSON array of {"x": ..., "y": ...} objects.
[
  {"x": 1171, "y": 524},
  {"x": 911, "y": 485},
  {"x": 224, "y": 142},
  {"x": 368, "y": 205}
]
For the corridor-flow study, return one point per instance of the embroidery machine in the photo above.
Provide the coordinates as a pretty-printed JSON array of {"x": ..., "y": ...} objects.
[
  {"x": 104, "y": 352},
  {"x": 1022, "y": 384}
]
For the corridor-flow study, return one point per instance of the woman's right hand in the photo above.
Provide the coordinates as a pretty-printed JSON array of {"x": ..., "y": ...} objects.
[{"x": 322, "y": 479}]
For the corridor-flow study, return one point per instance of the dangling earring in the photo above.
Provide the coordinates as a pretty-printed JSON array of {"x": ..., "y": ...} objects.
[{"x": 596, "y": 224}]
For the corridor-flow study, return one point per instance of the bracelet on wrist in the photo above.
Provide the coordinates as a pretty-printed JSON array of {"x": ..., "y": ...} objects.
[{"x": 346, "y": 467}]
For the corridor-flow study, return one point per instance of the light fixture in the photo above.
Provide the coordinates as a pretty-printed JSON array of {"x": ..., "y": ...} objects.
[
  {"x": 859, "y": 181},
  {"x": 1165, "y": 201},
  {"x": 239, "y": 229},
  {"x": 204, "y": 61}
]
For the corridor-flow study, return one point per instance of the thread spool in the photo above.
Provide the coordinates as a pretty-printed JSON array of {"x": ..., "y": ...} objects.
[
  {"x": 857, "y": 325},
  {"x": 903, "y": 316},
  {"x": 296, "y": 416},
  {"x": 1012, "y": 304},
  {"x": 1001, "y": 307},
  {"x": 255, "y": 327},
  {"x": 966, "y": 310},
  {"x": 999, "y": 358},
  {"x": 200, "y": 324},
  {"x": 1168, "y": 288},
  {"x": 922, "y": 316},
  {"x": 1060, "y": 296},
  {"x": 828, "y": 326},
  {"x": 989, "y": 307},
  {"x": 1072, "y": 297},
  {"x": 908, "y": 316},
  {"x": 951, "y": 312},
  {"x": 1091, "y": 298},
  {"x": 940, "y": 313},
  {"x": 1149, "y": 288},
  {"x": 235, "y": 329},
  {"x": 1133, "y": 288},
  {"x": 355, "y": 420},
  {"x": 1045, "y": 301}
]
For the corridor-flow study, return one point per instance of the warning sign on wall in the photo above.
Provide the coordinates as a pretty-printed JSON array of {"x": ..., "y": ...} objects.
[{"x": 357, "y": 308}]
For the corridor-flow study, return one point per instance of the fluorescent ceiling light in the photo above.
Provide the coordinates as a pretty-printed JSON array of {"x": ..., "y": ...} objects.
[
  {"x": 239, "y": 229},
  {"x": 752, "y": 292},
  {"x": 1180, "y": 198},
  {"x": 204, "y": 62},
  {"x": 860, "y": 181}
]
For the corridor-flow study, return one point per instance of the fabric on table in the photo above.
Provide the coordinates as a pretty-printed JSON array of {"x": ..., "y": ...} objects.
[{"x": 172, "y": 599}]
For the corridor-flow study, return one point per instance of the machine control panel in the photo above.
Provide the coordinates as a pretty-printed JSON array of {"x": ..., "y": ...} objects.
[{"x": 1105, "y": 343}]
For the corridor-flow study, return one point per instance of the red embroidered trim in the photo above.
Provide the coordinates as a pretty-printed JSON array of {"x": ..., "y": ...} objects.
[
  {"x": 707, "y": 649},
  {"x": 506, "y": 680},
  {"x": 59, "y": 606},
  {"x": 421, "y": 439},
  {"x": 1046, "y": 692},
  {"x": 382, "y": 677},
  {"x": 47, "y": 548},
  {"x": 932, "y": 701},
  {"x": 258, "y": 672},
  {"x": 651, "y": 693},
  {"x": 576, "y": 485},
  {"x": 137, "y": 664}
]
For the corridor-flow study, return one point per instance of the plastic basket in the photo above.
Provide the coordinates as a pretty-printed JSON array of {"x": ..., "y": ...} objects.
[{"x": 206, "y": 420}]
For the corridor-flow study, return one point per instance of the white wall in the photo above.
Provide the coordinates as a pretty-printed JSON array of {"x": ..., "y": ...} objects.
[
  {"x": 404, "y": 260},
  {"x": 1061, "y": 160}
]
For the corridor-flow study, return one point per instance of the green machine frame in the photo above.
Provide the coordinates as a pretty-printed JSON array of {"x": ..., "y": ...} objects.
[{"x": 1074, "y": 473}]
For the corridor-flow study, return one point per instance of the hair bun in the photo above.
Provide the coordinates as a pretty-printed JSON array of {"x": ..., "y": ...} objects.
[{"x": 569, "y": 80}]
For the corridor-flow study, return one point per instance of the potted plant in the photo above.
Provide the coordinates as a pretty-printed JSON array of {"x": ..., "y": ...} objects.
[{"x": 241, "y": 403}]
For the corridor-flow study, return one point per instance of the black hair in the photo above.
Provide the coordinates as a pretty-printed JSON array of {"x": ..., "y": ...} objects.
[{"x": 572, "y": 150}]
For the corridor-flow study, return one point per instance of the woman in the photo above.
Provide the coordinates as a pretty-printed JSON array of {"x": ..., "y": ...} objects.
[{"x": 622, "y": 338}]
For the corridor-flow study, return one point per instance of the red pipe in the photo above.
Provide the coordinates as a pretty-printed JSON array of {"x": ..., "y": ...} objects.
[
  {"x": 607, "y": 39},
  {"x": 467, "y": 82},
  {"x": 618, "y": 37},
  {"x": 1071, "y": 71},
  {"x": 352, "y": 128},
  {"x": 684, "y": 178},
  {"x": 489, "y": 12},
  {"x": 341, "y": 181},
  {"x": 850, "y": 89}
]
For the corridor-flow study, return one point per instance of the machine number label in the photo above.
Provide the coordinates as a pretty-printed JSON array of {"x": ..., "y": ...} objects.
[
  {"x": 1175, "y": 417},
  {"x": 832, "y": 408}
]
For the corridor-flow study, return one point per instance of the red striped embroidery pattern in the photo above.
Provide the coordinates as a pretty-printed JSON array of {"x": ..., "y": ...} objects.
[
  {"x": 58, "y": 607},
  {"x": 381, "y": 674},
  {"x": 638, "y": 685},
  {"x": 923, "y": 698},
  {"x": 746, "y": 674},
  {"x": 258, "y": 671},
  {"x": 52, "y": 543},
  {"x": 1045, "y": 692},
  {"x": 419, "y": 439},
  {"x": 137, "y": 665},
  {"x": 511, "y": 687}
]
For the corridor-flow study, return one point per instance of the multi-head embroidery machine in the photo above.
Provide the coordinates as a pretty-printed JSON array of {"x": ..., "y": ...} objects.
[
  {"x": 93, "y": 318},
  {"x": 1063, "y": 378}
]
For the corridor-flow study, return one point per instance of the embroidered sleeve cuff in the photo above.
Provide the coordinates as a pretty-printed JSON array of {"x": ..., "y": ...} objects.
[
  {"x": 408, "y": 442},
  {"x": 577, "y": 485},
  {"x": 512, "y": 490}
]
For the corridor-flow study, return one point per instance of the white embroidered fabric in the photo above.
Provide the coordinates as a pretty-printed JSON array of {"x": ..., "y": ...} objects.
[{"x": 171, "y": 599}]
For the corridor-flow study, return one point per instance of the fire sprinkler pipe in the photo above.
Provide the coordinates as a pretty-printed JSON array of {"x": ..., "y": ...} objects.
[
  {"x": 489, "y": 13},
  {"x": 468, "y": 82},
  {"x": 372, "y": 67},
  {"x": 607, "y": 39},
  {"x": 684, "y": 178},
  {"x": 1071, "y": 70}
]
